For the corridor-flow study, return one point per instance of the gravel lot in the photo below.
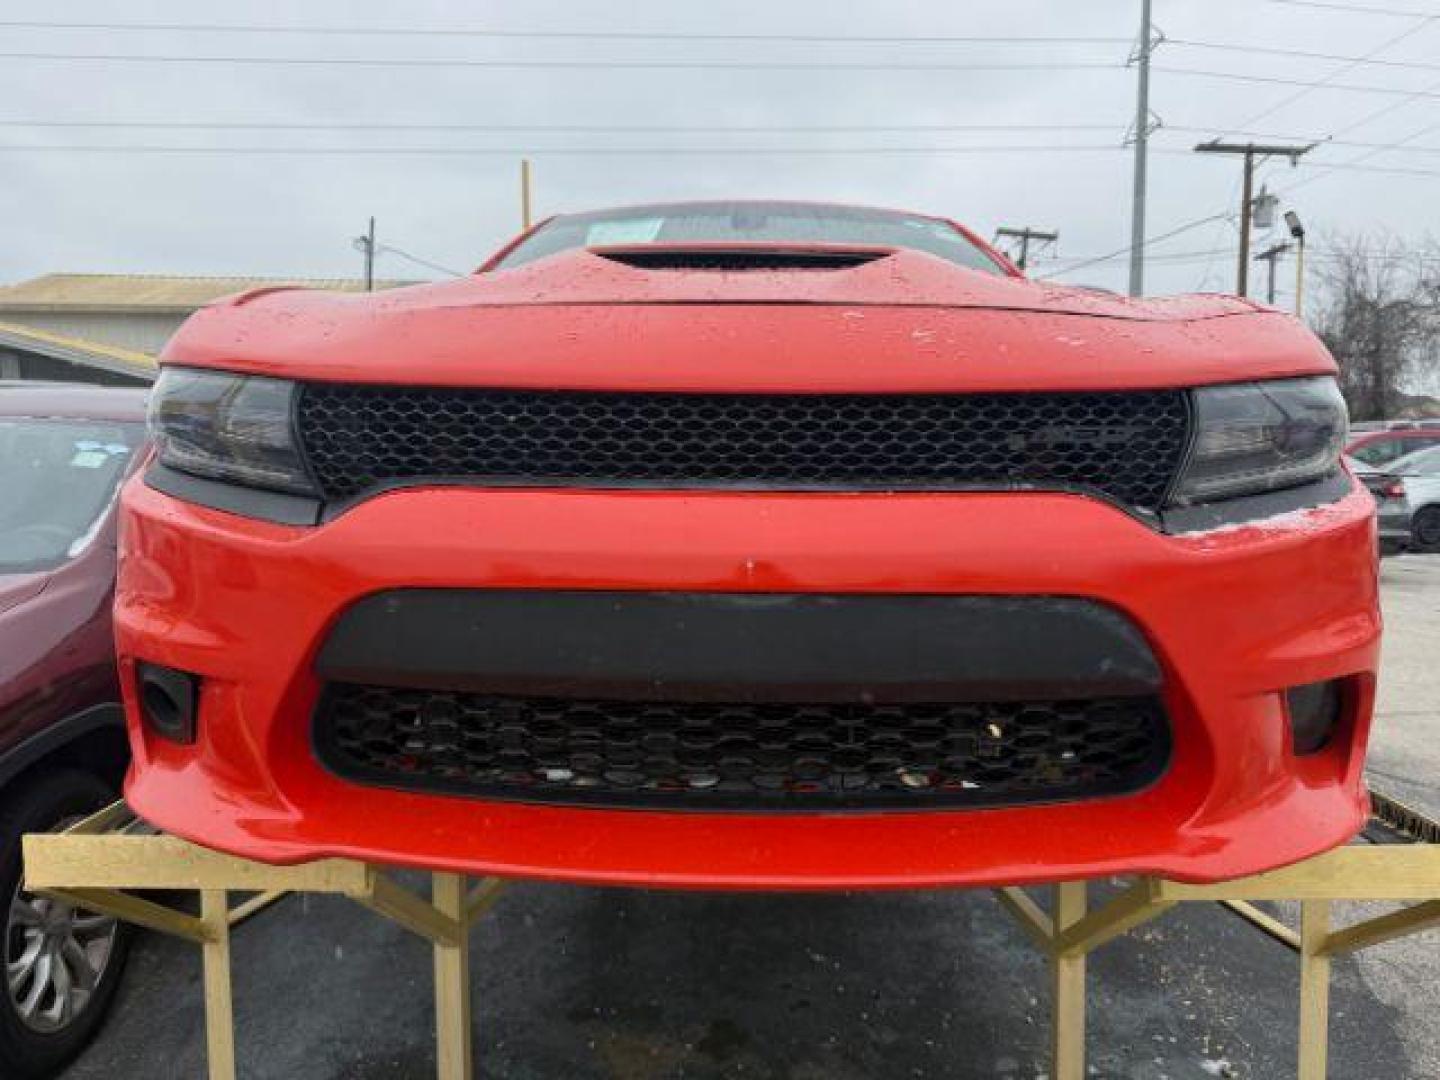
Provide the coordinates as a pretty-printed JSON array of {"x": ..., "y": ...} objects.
[{"x": 590, "y": 983}]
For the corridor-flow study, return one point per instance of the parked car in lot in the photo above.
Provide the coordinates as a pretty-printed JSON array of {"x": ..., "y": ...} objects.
[
  {"x": 64, "y": 451},
  {"x": 1417, "y": 479},
  {"x": 750, "y": 545},
  {"x": 1379, "y": 446},
  {"x": 1392, "y": 511}
]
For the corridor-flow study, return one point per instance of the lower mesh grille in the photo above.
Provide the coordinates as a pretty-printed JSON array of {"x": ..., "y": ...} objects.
[{"x": 698, "y": 756}]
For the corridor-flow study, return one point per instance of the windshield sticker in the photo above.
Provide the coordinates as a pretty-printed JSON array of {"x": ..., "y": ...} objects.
[
  {"x": 637, "y": 231},
  {"x": 90, "y": 454}
]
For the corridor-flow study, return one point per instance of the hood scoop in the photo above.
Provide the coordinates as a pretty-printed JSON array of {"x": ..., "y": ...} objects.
[{"x": 738, "y": 260}]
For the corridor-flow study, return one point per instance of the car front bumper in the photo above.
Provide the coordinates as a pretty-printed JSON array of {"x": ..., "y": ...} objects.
[{"x": 1233, "y": 615}]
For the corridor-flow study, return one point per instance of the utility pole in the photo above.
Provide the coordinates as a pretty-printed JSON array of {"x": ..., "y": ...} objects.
[
  {"x": 1250, "y": 152},
  {"x": 525, "y": 193},
  {"x": 366, "y": 246},
  {"x": 1297, "y": 230},
  {"x": 1025, "y": 235},
  {"x": 1142, "y": 152},
  {"x": 1271, "y": 256}
]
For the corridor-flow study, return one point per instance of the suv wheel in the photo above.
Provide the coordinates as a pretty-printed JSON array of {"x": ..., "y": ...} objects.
[
  {"x": 62, "y": 964},
  {"x": 1426, "y": 529}
]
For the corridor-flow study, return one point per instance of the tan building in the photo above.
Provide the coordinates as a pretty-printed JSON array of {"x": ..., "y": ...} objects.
[
  {"x": 136, "y": 313},
  {"x": 27, "y": 353}
]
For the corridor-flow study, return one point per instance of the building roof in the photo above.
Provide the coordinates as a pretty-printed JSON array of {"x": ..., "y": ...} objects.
[
  {"x": 78, "y": 351},
  {"x": 148, "y": 293}
]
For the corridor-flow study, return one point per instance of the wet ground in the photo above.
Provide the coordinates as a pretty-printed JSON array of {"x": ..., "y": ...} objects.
[{"x": 579, "y": 983}]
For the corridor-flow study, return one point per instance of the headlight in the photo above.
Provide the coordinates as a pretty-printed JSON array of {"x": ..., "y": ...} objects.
[
  {"x": 1257, "y": 437},
  {"x": 228, "y": 427}
]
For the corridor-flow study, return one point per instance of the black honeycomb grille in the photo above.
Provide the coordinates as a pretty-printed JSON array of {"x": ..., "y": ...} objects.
[
  {"x": 698, "y": 756},
  {"x": 1126, "y": 445}
]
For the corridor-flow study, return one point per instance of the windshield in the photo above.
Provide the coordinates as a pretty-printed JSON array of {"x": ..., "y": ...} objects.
[
  {"x": 751, "y": 222},
  {"x": 58, "y": 478}
]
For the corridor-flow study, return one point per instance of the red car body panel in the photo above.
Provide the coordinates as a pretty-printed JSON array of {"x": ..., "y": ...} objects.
[{"x": 247, "y": 604}]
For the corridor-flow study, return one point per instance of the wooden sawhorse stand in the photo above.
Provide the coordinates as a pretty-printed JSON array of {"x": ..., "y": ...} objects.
[
  {"x": 1069, "y": 933},
  {"x": 94, "y": 862},
  {"x": 91, "y": 864}
]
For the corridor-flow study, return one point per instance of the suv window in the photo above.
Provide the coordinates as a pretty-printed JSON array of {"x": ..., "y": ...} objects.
[{"x": 751, "y": 222}]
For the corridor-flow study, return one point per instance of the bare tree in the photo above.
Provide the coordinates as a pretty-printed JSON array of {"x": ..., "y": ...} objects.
[{"x": 1380, "y": 316}]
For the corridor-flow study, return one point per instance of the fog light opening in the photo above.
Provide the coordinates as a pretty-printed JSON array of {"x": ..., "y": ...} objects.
[
  {"x": 1314, "y": 711},
  {"x": 168, "y": 701}
]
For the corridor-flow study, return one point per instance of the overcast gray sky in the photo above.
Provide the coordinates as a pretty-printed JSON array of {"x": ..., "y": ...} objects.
[{"x": 295, "y": 214}]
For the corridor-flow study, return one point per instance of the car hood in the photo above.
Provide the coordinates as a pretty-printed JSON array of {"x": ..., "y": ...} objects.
[
  {"x": 901, "y": 321},
  {"x": 15, "y": 589},
  {"x": 889, "y": 278}
]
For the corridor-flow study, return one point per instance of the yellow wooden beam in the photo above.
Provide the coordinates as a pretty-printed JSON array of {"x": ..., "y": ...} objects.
[
  {"x": 1314, "y": 990},
  {"x": 133, "y": 909},
  {"x": 452, "y": 984},
  {"x": 219, "y": 1004},
  {"x": 104, "y": 820},
  {"x": 1368, "y": 872},
  {"x": 256, "y": 904},
  {"x": 1138, "y": 904},
  {"x": 119, "y": 861},
  {"x": 1031, "y": 917},
  {"x": 482, "y": 898},
  {"x": 401, "y": 906},
  {"x": 1265, "y": 921},
  {"x": 1397, "y": 924},
  {"x": 1067, "y": 981}
]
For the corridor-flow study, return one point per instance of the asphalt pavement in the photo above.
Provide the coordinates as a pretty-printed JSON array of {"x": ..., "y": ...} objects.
[{"x": 581, "y": 984}]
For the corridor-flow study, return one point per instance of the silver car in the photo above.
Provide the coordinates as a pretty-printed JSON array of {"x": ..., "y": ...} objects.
[{"x": 1413, "y": 503}]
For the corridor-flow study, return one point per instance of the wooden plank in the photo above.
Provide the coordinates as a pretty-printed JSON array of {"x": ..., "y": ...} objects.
[
  {"x": 133, "y": 909},
  {"x": 1067, "y": 980},
  {"x": 1397, "y": 924},
  {"x": 1264, "y": 921},
  {"x": 219, "y": 1005},
  {"x": 118, "y": 861},
  {"x": 452, "y": 984},
  {"x": 256, "y": 904},
  {"x": 103, "y": 820},
  {"x": 1314, "y": 990},
  {"x": 482, "y": 898},
  {"x": 403, "y": 907},
  {"x": 1369, "y": 872},
  {"x": 1030, "y": 915},
  {"x": 1136, "y": 905}
]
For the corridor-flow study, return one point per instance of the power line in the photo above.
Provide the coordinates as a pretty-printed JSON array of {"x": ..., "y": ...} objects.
[
  {"x": 390, "y": 249},
  {"x": 140, "y": 148},
  {"x": 1402, "y": 13},
  {"x": 512, "y": 64},
  {"x": 1347, "y": 66},
  {"x": 576, "y": 35},
  {"x": 651, "y": 129},
  {"x": 1277, "y": 80},
  {"x": 1355, "y": 166},
  {"x": 1357, "y": 162},
  {"x": 1301, "y": 54},
  {"x": 1122, "y": 252}
]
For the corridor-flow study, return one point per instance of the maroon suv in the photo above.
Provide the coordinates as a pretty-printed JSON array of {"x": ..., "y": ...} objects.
[{"x": 63, "y": 451}]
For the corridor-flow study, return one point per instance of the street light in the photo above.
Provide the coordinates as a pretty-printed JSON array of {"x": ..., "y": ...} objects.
[{"x": 1297, "y": 230}]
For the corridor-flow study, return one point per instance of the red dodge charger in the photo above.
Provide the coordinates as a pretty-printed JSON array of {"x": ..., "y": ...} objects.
[{"x": 750, "y": 545}]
